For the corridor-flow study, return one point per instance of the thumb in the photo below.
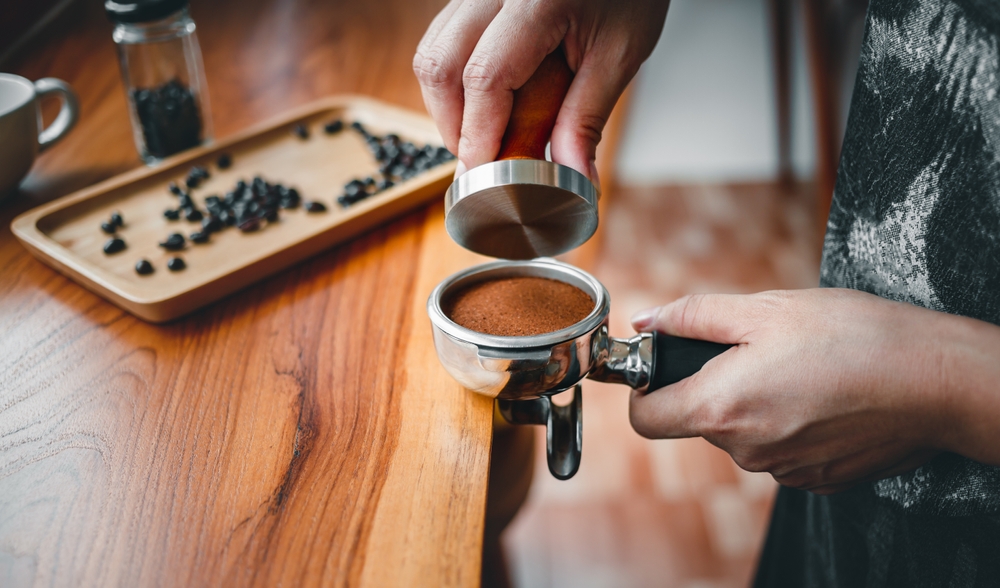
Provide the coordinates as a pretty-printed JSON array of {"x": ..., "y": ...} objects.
[
  {"x": 710, "y": 317},
  {"x": 592, "y": 96}
]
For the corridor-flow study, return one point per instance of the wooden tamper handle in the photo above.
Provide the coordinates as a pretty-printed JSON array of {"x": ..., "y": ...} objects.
[{"x": 536, "y": 105}]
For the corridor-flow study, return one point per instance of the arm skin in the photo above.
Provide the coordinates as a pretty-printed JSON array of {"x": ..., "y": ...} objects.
[
  {"x": 828, "y": 387},
  {"x": 477, "y": 52}
]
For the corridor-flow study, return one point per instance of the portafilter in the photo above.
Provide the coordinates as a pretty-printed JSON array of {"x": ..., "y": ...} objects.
[{"x": 523, "y": 373}]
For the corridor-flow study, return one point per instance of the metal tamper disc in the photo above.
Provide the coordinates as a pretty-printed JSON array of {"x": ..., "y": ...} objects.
[
  {"x": 522, "y": 206},
  {"x": 521, "y": 209}
]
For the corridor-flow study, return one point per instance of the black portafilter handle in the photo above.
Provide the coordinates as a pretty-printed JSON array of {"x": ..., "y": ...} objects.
[{"x": 676, "y": 358}]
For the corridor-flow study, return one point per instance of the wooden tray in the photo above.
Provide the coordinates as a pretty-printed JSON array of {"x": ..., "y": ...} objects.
[{"x": 66, "y": 234}]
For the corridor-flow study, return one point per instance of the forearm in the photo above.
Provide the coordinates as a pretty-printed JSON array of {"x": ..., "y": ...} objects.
[{"x": 968, "y": 360}]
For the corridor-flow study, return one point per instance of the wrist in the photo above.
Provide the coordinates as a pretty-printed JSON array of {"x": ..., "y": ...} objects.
[{"x": 964, "y": 368}]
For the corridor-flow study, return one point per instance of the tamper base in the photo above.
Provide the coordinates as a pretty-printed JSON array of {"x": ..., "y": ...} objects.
[{"x": 521, "y": 209}]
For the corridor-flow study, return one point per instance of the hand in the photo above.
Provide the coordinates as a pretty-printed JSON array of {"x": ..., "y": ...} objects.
[
  {"x": 828, "y": 388},
  {"x": 477, "y": 52}
]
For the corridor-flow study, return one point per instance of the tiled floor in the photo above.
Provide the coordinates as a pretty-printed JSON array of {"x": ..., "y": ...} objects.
[{"x": 664, "y": 513}]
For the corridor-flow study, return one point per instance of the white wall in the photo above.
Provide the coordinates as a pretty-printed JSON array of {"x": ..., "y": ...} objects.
[{"x": 703, "y": 105}]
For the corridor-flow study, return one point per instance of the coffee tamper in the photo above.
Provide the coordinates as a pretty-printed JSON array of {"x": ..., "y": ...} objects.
[{"x": 522, "y": 206}]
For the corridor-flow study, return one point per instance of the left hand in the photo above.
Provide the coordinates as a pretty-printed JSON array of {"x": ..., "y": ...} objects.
[{"x": 827, "y": 387}]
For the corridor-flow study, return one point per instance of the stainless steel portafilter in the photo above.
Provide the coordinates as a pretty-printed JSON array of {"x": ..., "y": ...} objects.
[
  {"x": 522, "y": 206},
  {"x": 522, "y": 373}
]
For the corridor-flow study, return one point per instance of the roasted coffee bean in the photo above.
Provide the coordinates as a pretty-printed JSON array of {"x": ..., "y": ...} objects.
[
  {"x": 192, "y": 181},
  {"x": 175, "y": 189},
  {"x": 211, "y": 224},
  {"x": 200, "y": 171},
  {"x": 193, "y": 214},
  {"x": 184, "y": 201},
  {"x": 301, "y": 131},
  {"x": 171, "y": 214},
  {"x": 114, "y": 246},
  {"x": 391, "y": 139},
  {"x": 410, "y": 149},
  {"x": 227, "y": 218},
  {"x": 385, "y": 184},
  {"x": 225, "y": 160},
  {"x": 271, "y": 215},
  {"x": 199, "y": 237},
  {"x": 250, "y": 225},
  {"x": 116, "y": 218},
  {"x": 109, "y": 228},
  {"x": 174, "y": 242},
  {"x": 333, "y": 127},
  {"x": 176, "y": 264},
  {"x": 369, "y": 184},
  {"x": 359, "y": 128},
  {"x": 313, "y": 206},
  {"x": 169, "y": 117},
  {"x": 143, "y": 267},
  {"x": 353, "y": 188}
]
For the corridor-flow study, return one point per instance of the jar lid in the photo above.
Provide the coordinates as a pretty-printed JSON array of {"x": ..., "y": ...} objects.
[{"x": 129, "y": 11}]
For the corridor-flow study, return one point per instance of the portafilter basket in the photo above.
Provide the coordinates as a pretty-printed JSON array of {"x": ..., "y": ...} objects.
[{"x": 522, "y": 373}]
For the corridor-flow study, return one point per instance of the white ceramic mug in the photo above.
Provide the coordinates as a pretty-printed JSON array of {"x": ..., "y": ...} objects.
[{"x": 20, "y": 120}]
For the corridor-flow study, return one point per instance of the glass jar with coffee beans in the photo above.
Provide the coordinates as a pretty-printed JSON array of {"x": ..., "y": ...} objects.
[{"x": 163, "y": 74}]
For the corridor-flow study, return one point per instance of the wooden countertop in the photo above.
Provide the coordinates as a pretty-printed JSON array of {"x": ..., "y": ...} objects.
[{"x": 300, "y": 432}]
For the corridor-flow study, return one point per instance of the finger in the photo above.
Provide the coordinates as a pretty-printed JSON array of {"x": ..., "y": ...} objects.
[
  {"x": 723, "y": 318},
  {"x": 509, "y": 52},
  {"x": 599, "y": 82},
  {"x": 665, "y": 414},
  {"x": 440, "y": 61}
]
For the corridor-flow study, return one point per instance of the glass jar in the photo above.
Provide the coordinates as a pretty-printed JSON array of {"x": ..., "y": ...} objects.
[{"x": 163, "y": 74}]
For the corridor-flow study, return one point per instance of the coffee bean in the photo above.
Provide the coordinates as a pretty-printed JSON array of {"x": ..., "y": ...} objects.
[
  {"x": 116, "y": 218},
  {"x": 385, "y": 184},
  {"x": 171, "y": 214},
  {"x": 114, "y": 246},
  {"x": 313, "y": 206},
  {"x": 184, "y": 201},
  {"x": 301, "y": 131},
  {"x": 193, "y": 214},
  {"x": 334, "y": 127},
  {"x": 169, "y": 116},
  {"x": 211, "y": 224},
  {"x": 199, "y": 237},
  {"x": 109, "y": 228},
  {"x": 174, "y": 242},
  {"x": 176, "y": 264},
  {"x": 192, "y": 181},
  {"x": 143, "y": 267},
  {"x": 175, "y": 189},
  {"x": 250, "y": 225},
  {"x": 225, "y": 160},
  {"x": 271, "y": 215}
]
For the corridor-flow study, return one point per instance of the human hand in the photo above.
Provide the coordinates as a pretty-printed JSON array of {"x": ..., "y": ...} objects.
[
  {"x": 477, "y": 52},
  {"x": 827, "y": 388}
]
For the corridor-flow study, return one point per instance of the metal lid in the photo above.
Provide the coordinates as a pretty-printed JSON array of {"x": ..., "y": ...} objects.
[
  {"x": 521, "y": 209},
  {"x": 141, "y": 10}
]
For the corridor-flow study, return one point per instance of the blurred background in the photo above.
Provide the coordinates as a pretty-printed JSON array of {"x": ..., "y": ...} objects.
[{"x": 717, "y": 168}]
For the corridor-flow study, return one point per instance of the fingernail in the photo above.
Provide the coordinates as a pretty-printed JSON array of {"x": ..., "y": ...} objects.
[
  {"x": 460, "y": 169},
  {"x": 643, "y": 319}
]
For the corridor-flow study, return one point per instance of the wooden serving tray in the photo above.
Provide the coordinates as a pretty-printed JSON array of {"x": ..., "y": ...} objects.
[{"x": 66, "y": 234}]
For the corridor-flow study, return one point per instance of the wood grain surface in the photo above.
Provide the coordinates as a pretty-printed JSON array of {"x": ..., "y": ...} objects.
[{"x": 299, "y": 432}]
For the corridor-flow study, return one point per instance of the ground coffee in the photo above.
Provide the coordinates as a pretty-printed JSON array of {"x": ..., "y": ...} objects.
[{"x": 515, "y": 307}]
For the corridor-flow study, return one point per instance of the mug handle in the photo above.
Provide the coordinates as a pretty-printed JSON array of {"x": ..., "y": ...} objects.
[{"x": 67, "y": 116}]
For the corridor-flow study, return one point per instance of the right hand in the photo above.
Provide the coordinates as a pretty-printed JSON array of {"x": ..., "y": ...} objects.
[{"x": 477, "y": 52}]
